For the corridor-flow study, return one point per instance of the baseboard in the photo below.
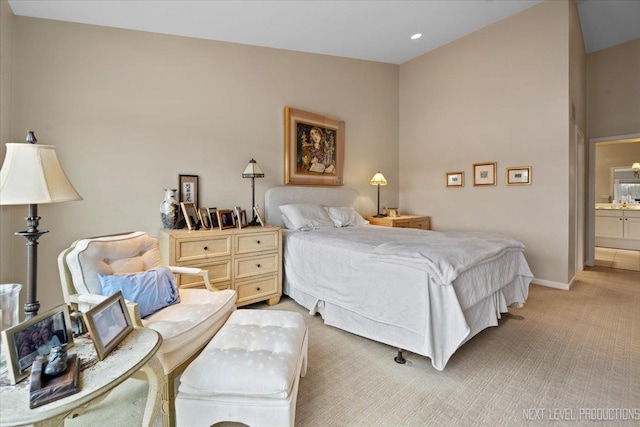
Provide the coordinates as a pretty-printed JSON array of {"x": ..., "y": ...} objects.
[{"x": 555, "y": 285}]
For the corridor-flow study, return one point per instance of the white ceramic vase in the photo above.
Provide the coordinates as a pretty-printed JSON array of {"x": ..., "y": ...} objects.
[{"x": 169, "y": 209}]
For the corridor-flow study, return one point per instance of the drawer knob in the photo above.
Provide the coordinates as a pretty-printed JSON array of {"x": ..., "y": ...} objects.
[
  {"x": 258, "y": 265},
  {"x": 258, "y": 288},
  {"x": 258, "y": 241},
  {"x": 206, "y": 248}
]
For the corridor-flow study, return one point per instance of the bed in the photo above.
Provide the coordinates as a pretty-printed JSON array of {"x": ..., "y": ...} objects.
[{"x": 427, "y": 292}]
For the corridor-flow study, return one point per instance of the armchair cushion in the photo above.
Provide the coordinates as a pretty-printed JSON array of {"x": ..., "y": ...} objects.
[{"x": 153, "y": 289}]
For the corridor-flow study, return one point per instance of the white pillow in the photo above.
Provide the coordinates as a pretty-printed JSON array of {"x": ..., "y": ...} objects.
[
  {"x": 305, "y": 217},
  {"x": 345, "y": 217}
]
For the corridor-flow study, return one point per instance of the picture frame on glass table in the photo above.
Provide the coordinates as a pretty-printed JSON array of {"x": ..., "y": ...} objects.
[
  {"x": 108, "y": 323},
  {"x": 25, "y": 341}
]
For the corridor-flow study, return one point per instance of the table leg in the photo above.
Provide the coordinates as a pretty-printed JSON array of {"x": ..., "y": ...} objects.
[{"x": 155, "y": 375}]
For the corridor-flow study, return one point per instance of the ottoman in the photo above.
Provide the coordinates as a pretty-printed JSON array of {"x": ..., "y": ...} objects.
[{"x": 248, "y": 373}]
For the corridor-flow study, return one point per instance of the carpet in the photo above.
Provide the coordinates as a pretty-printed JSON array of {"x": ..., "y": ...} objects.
[{"x": 565, "y": 358}]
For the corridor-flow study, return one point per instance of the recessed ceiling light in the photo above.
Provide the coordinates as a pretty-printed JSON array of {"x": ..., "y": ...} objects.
[{"x": 416, "y": 36}]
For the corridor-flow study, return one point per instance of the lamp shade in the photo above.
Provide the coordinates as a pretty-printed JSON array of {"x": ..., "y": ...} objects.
[
  {"x": 32, "y": 174},
  {"x": 252, "y": 170},
  {"x": 378, "y": 179},
  {"x": 636, "y": 166}
]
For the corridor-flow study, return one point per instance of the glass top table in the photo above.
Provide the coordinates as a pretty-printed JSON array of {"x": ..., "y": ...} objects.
[{"x": 136, "y": 352}]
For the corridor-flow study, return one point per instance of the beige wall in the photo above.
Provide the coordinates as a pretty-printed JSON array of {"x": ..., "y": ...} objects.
[
  {"x": 497, "y": 95},
  {"x": 6, "y": 66},
  {"x": 130, "y": 111},
  {"x": 613, "y": 90}
]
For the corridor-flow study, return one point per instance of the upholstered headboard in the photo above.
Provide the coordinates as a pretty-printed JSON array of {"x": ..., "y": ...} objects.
[{"x": 286, "y": 194}]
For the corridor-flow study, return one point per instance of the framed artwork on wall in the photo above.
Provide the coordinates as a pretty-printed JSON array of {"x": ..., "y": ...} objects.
[
  {"x": 314, "y": 148},
  {"x": 484, "y": 173},
  {"x": 455, "y": 179},
  {"x": 520, "y": 175},
  {"x": 188, "y": 189}
]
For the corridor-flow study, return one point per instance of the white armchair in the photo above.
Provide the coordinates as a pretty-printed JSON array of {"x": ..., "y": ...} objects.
[{"x": 186, "y": 327}]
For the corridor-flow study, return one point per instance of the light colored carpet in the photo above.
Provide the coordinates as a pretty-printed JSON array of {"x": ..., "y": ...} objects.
[{"x": 565, "y": 354}]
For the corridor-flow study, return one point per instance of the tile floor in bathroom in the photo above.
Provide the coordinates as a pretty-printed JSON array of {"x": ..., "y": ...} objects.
[{"x": 618, "y": 258}]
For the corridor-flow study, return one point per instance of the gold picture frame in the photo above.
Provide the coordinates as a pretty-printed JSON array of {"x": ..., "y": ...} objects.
[
  {"x": 16, "y": 339},
  {"x": 108, "y": 323},
  {"x": 205, "y": 218},
  {"x": 454, "y": 179},
  {"x": 484, "y": 174},
  {"x": 226, "y": 218},
  {"x": 518, "y": 175},
  {"x": 191, "y": 215},
  {"x": 314, "y": 148}
]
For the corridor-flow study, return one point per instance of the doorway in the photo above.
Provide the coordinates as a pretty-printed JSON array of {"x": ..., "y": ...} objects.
[{"x": 605, "y": 155}]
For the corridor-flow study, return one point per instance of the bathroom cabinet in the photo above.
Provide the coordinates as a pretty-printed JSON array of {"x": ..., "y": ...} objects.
[{"x": 618, "y": 228}]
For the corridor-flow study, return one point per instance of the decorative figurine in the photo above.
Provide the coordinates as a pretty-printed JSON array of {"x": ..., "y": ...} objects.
[{"x": 57, "y": 363}]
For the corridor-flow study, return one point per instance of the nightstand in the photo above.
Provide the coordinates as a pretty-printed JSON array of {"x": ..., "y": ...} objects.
[{"x": 402, "y": 221}]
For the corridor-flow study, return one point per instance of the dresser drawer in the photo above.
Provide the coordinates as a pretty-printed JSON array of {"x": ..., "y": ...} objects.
[
  {"x": 256, "y": 242},
  {"x": 422, "y": 224},
  {"x": 219, "y": 273},
  {"x": 191, "y": 250},
  {"x": 402, "y": 224},
  {"x": 256, "y": 265},
  {"x": 257, "y": 289}
]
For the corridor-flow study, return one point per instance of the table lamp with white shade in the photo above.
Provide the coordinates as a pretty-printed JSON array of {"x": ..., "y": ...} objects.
[
  {"x": 31, "y": 175},
  {"x": 378, "y": 179}
]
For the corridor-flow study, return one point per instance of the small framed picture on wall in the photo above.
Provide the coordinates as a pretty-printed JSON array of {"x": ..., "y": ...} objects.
[
  {"x": 484, "y": 174},
  {"x": 520, "y": 175},
  {"x": 455, "y": 179}
]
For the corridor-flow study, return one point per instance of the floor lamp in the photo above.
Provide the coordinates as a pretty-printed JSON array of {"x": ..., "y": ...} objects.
[
  {"x": 253, "y": 171},
  {"x": 378, "y": 179},
  {"x": 31, "y": 175}
]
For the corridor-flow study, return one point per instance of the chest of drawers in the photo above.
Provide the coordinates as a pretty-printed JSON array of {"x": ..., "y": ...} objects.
[{"x": 247, "y": 260}]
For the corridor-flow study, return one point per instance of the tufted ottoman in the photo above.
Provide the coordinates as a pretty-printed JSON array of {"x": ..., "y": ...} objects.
[{"x": 248, "y": 373}]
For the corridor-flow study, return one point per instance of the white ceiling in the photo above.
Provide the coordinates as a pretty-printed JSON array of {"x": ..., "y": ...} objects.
[{"x": 370, "y": 30}]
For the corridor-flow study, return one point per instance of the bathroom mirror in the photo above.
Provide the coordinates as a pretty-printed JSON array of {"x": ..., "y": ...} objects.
[{"x": 625, "y": 184}]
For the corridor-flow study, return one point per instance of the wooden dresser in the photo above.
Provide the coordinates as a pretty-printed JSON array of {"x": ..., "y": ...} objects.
[
  {"x": 248, "y": 260},
  {"x": 403, "y": 221}
]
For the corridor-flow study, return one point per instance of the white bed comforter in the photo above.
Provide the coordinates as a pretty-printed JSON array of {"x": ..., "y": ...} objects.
[{"x": 406, "y": 288}]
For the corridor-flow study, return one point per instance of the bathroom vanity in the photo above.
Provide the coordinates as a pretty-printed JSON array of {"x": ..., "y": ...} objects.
[{"x": 617, "y": 226}]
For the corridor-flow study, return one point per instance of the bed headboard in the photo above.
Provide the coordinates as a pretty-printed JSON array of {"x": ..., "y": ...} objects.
[{"x": 286, "y": 194}]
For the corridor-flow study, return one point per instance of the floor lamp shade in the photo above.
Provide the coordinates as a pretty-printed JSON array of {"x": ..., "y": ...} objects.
[{"x": 31, "y": 175}]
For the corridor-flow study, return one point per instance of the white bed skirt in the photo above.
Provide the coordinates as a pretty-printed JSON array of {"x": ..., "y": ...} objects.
[{"x": 480, "y": 316}]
